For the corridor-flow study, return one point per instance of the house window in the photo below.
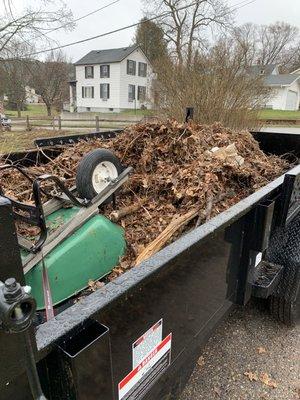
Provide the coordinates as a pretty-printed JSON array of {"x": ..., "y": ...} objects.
[
  {"x": 142, "y": 69},
  {"x": 87, "y": 92},
  {"x": 131, "y": 67},
  {"x": 104, "y": 91},
  {"x": 89, "y": 72},
  {"x": 131, "y": 93},
  {"x": 104, "y": 71},
  {"x": 141, "y": 93}
]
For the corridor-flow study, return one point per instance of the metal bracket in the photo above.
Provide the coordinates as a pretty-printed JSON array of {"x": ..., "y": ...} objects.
[{"x": 262, "y": 225}]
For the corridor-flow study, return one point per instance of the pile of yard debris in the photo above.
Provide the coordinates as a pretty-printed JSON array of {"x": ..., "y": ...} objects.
[{"x": 184, "y": 174}]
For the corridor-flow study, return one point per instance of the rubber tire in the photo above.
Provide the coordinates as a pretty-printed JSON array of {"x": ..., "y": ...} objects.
[
  {"x": 286, "y": 311},
  {"x": 86, "y": 168},
  {"x": 285, "y": 250}
]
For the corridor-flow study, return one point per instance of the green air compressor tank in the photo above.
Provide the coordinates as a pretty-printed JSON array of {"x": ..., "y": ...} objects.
[{"x": 89, "y": 253}]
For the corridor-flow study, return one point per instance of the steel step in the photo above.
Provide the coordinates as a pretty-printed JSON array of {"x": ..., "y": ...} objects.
[{"x": 266, "y": 278}]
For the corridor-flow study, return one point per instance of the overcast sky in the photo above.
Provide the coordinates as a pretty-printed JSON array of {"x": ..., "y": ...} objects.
[{"x": 126, "y": 12}]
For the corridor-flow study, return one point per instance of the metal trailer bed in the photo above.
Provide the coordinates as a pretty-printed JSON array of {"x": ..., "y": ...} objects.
[{"x": 169, "y": 305}]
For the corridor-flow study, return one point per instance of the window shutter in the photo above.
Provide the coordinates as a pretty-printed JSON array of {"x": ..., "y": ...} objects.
[
  {"x": 128, "y": 67},
  {"x": 101, "y": 91},
  {"x": 82, "y": 92},
  {"x": 134, "y": 67},
  {"x": 108, "y": 71},
  {"x": 108, "y": 90},
  {"x": 92, "y": 92}
]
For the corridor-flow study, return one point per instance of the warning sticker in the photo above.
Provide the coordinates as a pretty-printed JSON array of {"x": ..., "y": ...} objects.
[
  {"x": 143, "y": 345},
  {"x": 135, "y": 385}
]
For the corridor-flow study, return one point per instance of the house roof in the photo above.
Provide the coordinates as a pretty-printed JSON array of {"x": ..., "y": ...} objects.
[
  {"x": 261, "y": 69},
  {"x": 281, "y": 79},
  {"x": 297, "y": 71},
  {"x": 106, "y": 56}
]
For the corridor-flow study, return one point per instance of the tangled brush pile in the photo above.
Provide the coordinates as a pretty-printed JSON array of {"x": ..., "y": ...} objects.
[{"x": 178, "y": 168}]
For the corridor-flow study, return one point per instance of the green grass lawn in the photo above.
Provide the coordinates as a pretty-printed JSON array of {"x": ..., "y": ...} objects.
[
  {"x": 140, "y": 113},
  {"x": 11, "y": 142},
  {"x": 33, "y": 110},
  {"x": 39, "y": 110},
  {"x": 279, "y": 114}
]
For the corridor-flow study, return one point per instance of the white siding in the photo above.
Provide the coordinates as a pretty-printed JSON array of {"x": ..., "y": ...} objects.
[
  {"x": 119, "y": 82},
  {"x": 96, "y": 102},
  {"x": 291, "y": 100},
  {"x": 136, "y": 80},
  {"x": 278, "y": 100}
]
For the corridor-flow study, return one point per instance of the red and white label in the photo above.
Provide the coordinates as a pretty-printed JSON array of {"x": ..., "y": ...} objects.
[
  {"x": 144, "y": 344},
  {"x": 135, "y": 385}
]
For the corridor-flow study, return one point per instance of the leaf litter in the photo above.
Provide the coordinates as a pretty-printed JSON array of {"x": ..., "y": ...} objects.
[{"x": 177, "y": 168}]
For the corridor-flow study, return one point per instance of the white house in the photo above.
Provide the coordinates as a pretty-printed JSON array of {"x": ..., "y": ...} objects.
[
  {"x": 285, "y": 91},
  {"x": 111, "y": 81},
  {"x": 285, "y": 88},
  {"x": 31, "y": 96}
]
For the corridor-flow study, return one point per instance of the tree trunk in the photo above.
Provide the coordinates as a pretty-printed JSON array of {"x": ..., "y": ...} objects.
[
  {"x": 19, "y": 110},
  {"x": 48, "y": 106}
]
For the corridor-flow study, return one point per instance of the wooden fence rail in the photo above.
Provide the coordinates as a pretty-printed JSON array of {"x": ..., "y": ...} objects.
[{"x": 59, "y": 123}]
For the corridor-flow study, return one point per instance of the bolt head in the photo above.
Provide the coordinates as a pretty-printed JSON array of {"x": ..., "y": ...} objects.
[
  {"x": 10, "y": 283},
  {"x": 12, "y": 290}
]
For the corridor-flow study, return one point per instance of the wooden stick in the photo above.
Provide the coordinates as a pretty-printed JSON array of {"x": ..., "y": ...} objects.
[
  {"x": 209, "y": 206},
  {"x": 163, "y": 238},
  {"x": 116, "y": 215}
]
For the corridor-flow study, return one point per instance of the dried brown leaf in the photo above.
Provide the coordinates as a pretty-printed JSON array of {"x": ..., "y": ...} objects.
[
  {"x": 252, "y": 376},
  {"x": 267, "y": 380}
]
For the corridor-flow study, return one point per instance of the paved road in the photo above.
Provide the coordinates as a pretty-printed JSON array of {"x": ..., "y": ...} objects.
[
  {"x": 248, "y": 342},
  {"x": 281, "y": 129}
]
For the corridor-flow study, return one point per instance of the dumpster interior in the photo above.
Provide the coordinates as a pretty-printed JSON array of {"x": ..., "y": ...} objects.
[{"x": 183, "y": 175}]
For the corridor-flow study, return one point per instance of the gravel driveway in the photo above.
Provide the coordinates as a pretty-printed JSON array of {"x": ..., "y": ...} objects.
[{"x": 250, "y": 357}]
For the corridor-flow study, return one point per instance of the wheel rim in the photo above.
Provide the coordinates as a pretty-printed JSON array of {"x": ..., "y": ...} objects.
[{"x": 103, "y": 174}]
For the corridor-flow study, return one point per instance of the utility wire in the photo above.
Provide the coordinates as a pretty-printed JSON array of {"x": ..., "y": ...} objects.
[
  {"x": 163, "y": 15},
  {"x": 82, "y": 17}
]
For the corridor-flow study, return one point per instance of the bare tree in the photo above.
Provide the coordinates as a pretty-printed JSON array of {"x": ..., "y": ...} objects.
[
  {"x": 267, "y": 44},
  {"x": 293, "y": 58},
  {"x": 274, "y": 40},
  {"x": 217, "y": 85},
  {"x": 185, "y": 28},
  {"x": 33, "y": 23},
  {"x": 50, "y": 80},
  {"x": 246, "y": 39},
  {"x": 14, "y": 75}
]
